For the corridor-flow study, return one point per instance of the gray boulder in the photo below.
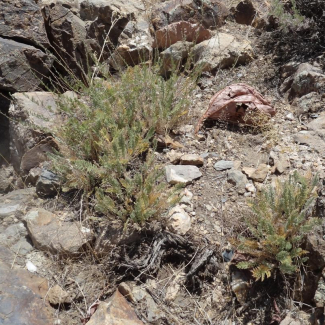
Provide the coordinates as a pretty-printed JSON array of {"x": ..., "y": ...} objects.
[
  {"x": 302, "y": 79},
  {"x": 223, "y": 165},
  {"x": 31, "y": 115},
  {"x": 7, "y": 179},
  {"x": 15, "y": 202},
  {"x": 222, "y": 51},
  {"x": 48, "y": 233},
  {"x": 109, "y": 17},
  {"x": 22, "y": 66},
  {"x": 311, "y": 139},
  {"x": 22, "y": 297},
  {"x": 309, "y": 103},
  {"x": 237, "y": 178},
  {"x": 174, "y": 56},
  {"x": 210, "y": 14},
  {"x": 183, "y": 174}
]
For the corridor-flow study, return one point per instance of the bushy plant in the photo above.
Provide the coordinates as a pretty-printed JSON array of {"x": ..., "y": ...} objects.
[
  {"x": 287, "y": 16},
  {"x": 107, "y": 141},
  {"x": 279, "y": 221}
]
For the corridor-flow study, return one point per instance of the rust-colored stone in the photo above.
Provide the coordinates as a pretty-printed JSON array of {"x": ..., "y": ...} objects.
[
  {"x": 180, "y": 31},
  {"x": 116, "y": 311},
  {"x": 233, "y": 102}
]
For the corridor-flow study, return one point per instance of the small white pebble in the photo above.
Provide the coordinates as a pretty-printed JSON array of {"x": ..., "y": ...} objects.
[
  {"x": 31, "y": 267},
  {"x": 290, "y": 117}
]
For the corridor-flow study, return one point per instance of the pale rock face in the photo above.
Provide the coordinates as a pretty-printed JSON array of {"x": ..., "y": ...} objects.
[
  {"x": 191, "y": 159},
  {"x": 49, "y": 234},
  {"x": 30, "y": 110},
  {"x": 222, "y": 51},
  {"x": 179, "y": 221},
  {"x": 182, "y": 174},
  {"x": 249, "y": 171},
  {"x": 260, "y": 173}
]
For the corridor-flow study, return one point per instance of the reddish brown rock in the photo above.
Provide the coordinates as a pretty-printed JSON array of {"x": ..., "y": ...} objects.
[
  {"x": 180, "y": 31},
  {"x": 116, "y": 311},
  {"x": 233, "y": 102}
]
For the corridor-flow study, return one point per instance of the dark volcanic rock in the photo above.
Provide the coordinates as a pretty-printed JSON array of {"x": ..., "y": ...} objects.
[
  {"x": 68, "y": 36},
  {"x": 48, "y": 184},
  {"x": 109, "y": 18},
  {"x": 22, "y": 20},
  {"x": 22, "y": 296},
  {"x": 22, "y": 67},
  {"x": 245, "y": 12},
  {"x": 210, "y": 14}
]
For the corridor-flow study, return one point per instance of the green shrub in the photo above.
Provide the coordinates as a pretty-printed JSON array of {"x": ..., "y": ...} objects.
[
  {"x": 287, "y": 17},
  {"x": 107, "y": 141},
  {"x": 278, "y": 224}
]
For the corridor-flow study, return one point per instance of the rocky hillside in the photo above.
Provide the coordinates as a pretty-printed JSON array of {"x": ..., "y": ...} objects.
[{"x": 161, "y": 162}]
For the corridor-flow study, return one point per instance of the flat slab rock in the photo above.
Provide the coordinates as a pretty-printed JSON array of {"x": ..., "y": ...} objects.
[
  {"x": 312, "y": 140},
  {"x": 13, "y": 203},
  {"x": 22, "y": 297},
  {"x": 49, "y": 234},
  {"x": 116, "y": 311},
  {"x": 191, "y": 159},
  {"x": 183, "y": 174},
  {"x": 223, "y": 165}
]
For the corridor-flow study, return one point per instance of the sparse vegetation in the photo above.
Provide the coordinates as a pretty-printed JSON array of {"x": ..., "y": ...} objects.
[
  {"x": 287, "y": 15},
  {"x": 280, "y": 219},
  {"x": 107, "y": 143}
]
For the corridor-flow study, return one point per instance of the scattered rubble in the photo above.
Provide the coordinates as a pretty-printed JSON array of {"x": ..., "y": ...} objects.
[{"x": 176, "y": 269}]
